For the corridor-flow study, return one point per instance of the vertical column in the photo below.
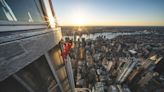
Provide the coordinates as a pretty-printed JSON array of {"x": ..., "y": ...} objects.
[
  {"x": 53, "y": 71},
  {"x": 70, "y": 73}
]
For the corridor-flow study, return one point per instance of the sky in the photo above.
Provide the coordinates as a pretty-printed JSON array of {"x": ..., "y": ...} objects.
[{"x": 109, "y": 12}]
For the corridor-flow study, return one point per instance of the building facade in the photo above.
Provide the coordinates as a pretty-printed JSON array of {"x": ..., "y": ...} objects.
[{"x": 30, "y": 51}]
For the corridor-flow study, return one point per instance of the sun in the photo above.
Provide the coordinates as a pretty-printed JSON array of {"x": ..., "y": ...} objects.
[{"x": 79, "y": 19}]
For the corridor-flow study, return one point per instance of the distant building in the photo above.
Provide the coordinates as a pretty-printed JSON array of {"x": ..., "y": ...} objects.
[
  {"x": 30, "y": 53},
  {"x": 125, "y": 69},
  {"x": 99, "y": 87}
]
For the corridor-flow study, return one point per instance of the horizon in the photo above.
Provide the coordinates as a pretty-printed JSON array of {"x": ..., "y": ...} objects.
[
  {"x": 109, "y": 26},
  {"x": 109, "y": 12}
]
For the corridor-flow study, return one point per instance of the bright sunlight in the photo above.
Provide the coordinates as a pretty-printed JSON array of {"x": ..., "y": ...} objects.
[{"x": 79, "y": 19}]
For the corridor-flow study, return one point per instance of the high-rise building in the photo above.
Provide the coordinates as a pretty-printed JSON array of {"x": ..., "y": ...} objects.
[
  {"x": 125, "y": 69},
  {"x": 30, "y": 51}
]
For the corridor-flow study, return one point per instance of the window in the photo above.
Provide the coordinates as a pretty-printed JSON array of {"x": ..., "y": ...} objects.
[
  {"x": 55, "y": 55},
  {"x": 66, "y": 85},
  {"x": 62, "y": 74},
  {"x": 11, "y": 85},
  {"x": 38, "y": 75},
  {"x": 69, "y": 90},
  {"x": 21, "y": 11},
  {"x": 61, "y": 58},
  {"x": 54, "y": 89}
]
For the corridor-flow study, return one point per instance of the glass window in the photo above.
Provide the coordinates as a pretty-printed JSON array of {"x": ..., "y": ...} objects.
[
  {"x": 55, "y": 55},
  {"x": 20, "y": 10},
  {"x": 54, "y": 89},
  {"x": 66, "y": 85},
  {"x": 66, "y": 88},
  {"x": 11, "y": 85},
  {"x": 62, "y": 74},
  {"x": 38, "y": 75},
  {"x": 61, "y": 58},
  {"x": 69, "y": 90}
]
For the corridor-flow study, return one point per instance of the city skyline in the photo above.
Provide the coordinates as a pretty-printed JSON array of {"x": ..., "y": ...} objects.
[{"x": 109, "y": 12}]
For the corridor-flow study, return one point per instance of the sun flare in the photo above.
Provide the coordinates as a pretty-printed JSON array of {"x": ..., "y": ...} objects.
[{"x": 79, "y": 19}]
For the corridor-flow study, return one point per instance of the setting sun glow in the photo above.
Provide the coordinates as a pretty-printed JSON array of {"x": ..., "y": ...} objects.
[{"x": 79, "y": 19}]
